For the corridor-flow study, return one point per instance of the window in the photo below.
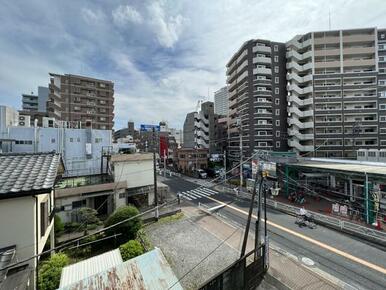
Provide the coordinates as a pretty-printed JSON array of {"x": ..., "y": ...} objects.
[
  {"x": 371, "y": 154},
  {"x": 276, "y": 80},
  {"x": 277, "y": 144},
  {"x": 78, "y": 139},
  {"x": 276, "y": 47},
  {"x": 98, "y": 140},
  {"x": 262, "y": 122},
  {"x": 382, "y": 106},
  {"x": 277, "y": 112},
  {"x": 276, "y": 69},
  {"x": 276, "y": 58},
  {"x": 43, "y": 218},
  {"x": 382, "y": 36},
  {"x": 382, "y": 130},
  {"x": 277, "y": 91},
  {"x": 277, "y": 122},
  {"x": 78, "y": 203},
  {"x": 53, "y": 140},
  {"x": 263, "y": 144},
  {"x": 71, "y": 140},
  {"x": 382, "y": 118},
  {"x": 381, "y": 46},
  {"x": 277, "y": 133},
  {"x": 277, "y": 101},
  {"x": 381, "y": 58}
]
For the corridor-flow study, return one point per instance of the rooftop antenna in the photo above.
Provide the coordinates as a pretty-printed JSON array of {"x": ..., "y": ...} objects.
[{"x": 329, "y": 18}]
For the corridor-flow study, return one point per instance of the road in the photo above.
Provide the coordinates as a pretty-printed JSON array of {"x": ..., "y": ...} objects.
[{"x": 353, "y": 261}]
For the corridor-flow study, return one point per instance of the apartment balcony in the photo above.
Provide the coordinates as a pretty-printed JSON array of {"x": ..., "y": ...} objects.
[
  {"x": 359, "y": 50},
  {"x": 359, "y": 62},
  {"x": 328, "y": 64},
  {"x": 359, "y": 38},
  {"x": 264, "y": 49},
  {"x": 260, "y": 59},
  {"x": 262, "y": 71},
  {"x": 327, "y": 52},
  {"x": 327, "y": 40}
]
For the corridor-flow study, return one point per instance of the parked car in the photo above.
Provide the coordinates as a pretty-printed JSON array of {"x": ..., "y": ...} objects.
[
  {"x": 200, "y": 173},
  {"x": 212, "y": 172}
]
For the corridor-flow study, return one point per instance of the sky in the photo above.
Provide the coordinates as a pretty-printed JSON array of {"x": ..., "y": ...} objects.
[{"x": 163, "y": 56}]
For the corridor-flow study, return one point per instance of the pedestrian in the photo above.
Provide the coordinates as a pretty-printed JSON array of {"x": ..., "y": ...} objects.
[
  {"x": 236, "y": 191},
  {"x": 179, "y": 197}
]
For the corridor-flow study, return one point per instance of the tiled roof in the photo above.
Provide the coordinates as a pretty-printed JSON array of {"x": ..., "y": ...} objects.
[{"x": 23, "y": 173}]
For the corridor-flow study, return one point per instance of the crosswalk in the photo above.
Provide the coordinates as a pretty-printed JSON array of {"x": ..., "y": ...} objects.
[
  {"x": 201, "y": 182},
  {"x": 199, "y": 192}
]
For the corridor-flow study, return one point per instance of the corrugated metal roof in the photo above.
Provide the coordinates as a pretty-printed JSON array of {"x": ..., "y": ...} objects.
[
  {"x": 27, "y": 172},
  {"x": 79, "y": 271},
  {"x": 148, "y": 271}
]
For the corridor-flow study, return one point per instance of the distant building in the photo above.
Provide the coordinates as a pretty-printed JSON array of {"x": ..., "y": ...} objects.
[
  {"x": 221, "y": 102},
  {"x": 187, "y": 160},
  {"x": 8, "y": 117},
  {"x": 27, "y": 202},
  {"x": 123, "y": 133},
  {"x": 200, "y": 128},
  {"x": 80, "y": 99},
  {"x": 35, "y": 103}
]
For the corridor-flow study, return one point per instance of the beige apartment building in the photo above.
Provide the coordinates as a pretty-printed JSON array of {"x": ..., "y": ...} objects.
[
  {"x": 82, "y": 101},
  {"x": 336, "y": 92}
]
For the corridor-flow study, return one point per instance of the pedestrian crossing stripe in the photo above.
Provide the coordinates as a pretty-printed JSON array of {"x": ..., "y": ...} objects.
[{"x": 198, "y": 192}]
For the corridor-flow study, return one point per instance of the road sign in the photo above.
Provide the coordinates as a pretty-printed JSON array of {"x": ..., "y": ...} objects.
[{"x": 149, "y": 128}]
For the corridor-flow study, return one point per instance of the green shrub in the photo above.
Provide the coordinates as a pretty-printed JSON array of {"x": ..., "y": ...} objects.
[
  {"x": 50, "y": 271},
  {"x": 130, "y": 250},
  {"x": 83, "y": 251},
  {"x": 88, "y": 216},
  {"x": 128, "y": 229},
  {"x": 71, "y": 226},
  {"x": 58, "y": 225}
]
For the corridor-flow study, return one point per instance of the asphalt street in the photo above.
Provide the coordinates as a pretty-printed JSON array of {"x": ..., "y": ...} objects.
[{"x": 341, "y": 262}]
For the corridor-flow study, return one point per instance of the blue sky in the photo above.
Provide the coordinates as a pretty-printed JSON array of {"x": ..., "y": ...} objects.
[{"x": 163, "y": 56}]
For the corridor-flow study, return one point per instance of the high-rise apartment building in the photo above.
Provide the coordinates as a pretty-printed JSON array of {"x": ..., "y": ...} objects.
[
  {"x": 84, "y": 100},
  {"x": 256, "y": 78},
  {"x": 336, "y": 92},
  {"x": 221, "y": 102}
]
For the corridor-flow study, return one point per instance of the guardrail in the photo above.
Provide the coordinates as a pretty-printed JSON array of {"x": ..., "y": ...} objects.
[{"x": 372, "y": 235}]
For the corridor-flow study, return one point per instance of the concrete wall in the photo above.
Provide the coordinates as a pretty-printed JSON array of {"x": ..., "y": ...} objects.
[
  {"x": 18, "y": 225},
  {"x": 71, "y": 143},
  {"x": 8, "y": 117},
  {"x": 136, "y": 173}
]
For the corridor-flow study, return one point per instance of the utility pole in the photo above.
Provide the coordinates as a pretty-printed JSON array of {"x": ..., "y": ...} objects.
[
  {"x": 155, "y": 176},
  {"x": 225, "y": 166},
  {"x": 241, "y": 154}
]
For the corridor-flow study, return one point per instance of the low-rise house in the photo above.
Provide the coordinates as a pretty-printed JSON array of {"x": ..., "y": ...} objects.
[
  {"x": 26, "y": 211},
  {"x": 187, "y": 160}
]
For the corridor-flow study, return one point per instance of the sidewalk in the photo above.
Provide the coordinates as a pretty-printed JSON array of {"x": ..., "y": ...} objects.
[{"x": 285, "y": 269}]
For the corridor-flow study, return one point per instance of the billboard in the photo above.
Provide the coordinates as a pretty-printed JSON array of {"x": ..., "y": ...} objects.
[
  {"x": 270, "y": 167},
  {"x": 149, "y": 128}
]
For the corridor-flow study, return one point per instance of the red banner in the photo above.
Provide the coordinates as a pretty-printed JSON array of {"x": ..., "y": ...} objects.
[{"x": 163, "y": 146}]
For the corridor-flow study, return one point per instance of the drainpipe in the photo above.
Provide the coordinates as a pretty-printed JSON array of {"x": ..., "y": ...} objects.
[{"x": 36, "y": 241}]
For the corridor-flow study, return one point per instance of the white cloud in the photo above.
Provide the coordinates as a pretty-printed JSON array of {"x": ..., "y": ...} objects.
[
  {"x": 167, "y": 29},
  {"x": 125, "y": 14},
  {"x": 92, "y": 17}
]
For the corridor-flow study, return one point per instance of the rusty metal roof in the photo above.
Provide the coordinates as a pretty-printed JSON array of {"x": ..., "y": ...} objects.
[
  {"x": 79, "y": 271},
  {"x": 148, "y": 271}
]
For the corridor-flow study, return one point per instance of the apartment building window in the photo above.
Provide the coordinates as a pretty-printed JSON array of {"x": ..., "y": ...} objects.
[
  {"x": 276, "y": 80},
  {"x": 276, "y": 47},
  {"x": 102, "y": 85},
  {"x": 382, "y": 131},
  {"x": 263, "y": 144},
  {"x": 381, "y": 46},
  {"x": 277, "y": 91},
  {"x": 102, "y": 102},
  {"x": 71, "y": 140},
  {"x": 382, "y": 118},
  {"x": 78, "y": 139},
  {"x": 277, "y": 144},
  {"x": 277, "y": 101},
  {"x": 276, "y": 69},
  {"x": 381, "y": 58},
  {"x": 277, "y": 112},
  {"x": 276, "y": 58},
  {"x": 277, "y": 133},
  {"x": 382, "y": 36},
  {"x": 382, "y": 106},
  {"x": 98, "y": 140},
  {"x": 264, "y": 122},
  {"x": 53, "y": 140},
  {"x": 277, "y": 123},
  {"x": 102, "y": 118}
]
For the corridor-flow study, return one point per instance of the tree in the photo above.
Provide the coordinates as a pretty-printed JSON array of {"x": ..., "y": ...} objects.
[
  {"x": 87, "y": 216},
  {"x": 128, "y": 229},
  {"x": 58, "y": 225},
  {"x": 50, "y": 271},
  {"x": 131, "y": 249}
]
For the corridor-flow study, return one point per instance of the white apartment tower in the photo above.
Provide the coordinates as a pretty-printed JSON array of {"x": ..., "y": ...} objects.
[
  {"x": 221, "y": 101},
  {"x": 336, "y": 92}
]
